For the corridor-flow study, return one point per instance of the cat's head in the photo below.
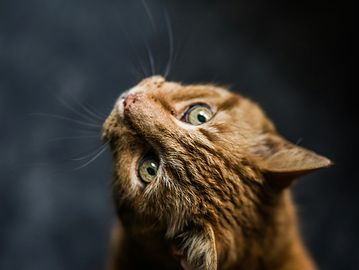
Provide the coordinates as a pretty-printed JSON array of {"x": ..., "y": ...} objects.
[{"x": 198, "y": 161}]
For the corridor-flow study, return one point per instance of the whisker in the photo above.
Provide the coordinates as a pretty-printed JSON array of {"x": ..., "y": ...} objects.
[
  {"x": 171, "y": 44},
  {"x": 149, "y": 15},
  {"x": 68, "y": 106},
  {"x": 79, "y": 122},
  {"x": 89, "y": 154},
  {"x": 74, "y": 138},
  {"x": 92, "y": 159},
  {"x": 136, "y": 73},
  {"x": 178, "y": 53},
  {"x": 132, "y": 47},
  {"x": 85, "y": 132},
  {"x": 188, "y": 39},
  {"x": 150, "y": 57},
  {"x": 148, "y": 48},
  {"x": 101, "y": 116},
  {"x": 89, "y": 110}
]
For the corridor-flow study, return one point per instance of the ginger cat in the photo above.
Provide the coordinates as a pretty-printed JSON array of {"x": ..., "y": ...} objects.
[{"x": 201, "y": 181}]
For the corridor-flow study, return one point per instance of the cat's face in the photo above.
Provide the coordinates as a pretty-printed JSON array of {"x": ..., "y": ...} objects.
[
  {"x": 174, "y": 145},
  {"x": 195, "y": 156}
]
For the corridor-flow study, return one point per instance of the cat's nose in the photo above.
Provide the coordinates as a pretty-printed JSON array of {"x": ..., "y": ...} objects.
[{"x": 129, "y": 99}]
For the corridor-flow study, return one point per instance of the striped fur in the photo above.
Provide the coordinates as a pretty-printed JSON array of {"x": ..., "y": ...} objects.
[{"x": 215, "y": 203}]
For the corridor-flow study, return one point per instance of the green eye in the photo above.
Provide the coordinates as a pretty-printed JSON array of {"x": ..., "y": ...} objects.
[
  {"x": 198, "y": 114},
  {"x": 147, "y": 169}
]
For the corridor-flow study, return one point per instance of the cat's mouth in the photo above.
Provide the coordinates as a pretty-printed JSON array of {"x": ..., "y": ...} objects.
[{"x": 120, "y": 108}]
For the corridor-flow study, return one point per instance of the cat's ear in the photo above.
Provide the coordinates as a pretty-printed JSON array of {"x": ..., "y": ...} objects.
[
  {"x": 197, "y": 249},
  {"x": 282, "y": 162}
]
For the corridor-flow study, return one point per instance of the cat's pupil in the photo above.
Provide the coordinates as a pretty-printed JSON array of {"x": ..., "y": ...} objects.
[
  {"x": 201, "y": 118},
  {"x": 151, "y": 171}
]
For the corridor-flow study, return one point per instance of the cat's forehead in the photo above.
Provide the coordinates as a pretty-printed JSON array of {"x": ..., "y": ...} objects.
[{"x": 176, "y": 92}]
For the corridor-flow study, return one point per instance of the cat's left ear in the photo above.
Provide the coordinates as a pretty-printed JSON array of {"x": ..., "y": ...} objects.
[{"x": 282, "y": 162}]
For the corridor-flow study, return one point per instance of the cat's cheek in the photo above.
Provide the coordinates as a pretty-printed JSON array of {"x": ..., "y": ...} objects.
[
  {"x": 129, "y": 179},
  {"x": 186, "y": 126}
]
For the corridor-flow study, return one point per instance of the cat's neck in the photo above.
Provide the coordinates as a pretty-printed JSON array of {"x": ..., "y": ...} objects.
[{"x": 277, "y": 245}]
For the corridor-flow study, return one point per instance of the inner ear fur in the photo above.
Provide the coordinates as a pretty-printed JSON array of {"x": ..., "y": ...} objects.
[
  {"x": 197, "y": 248},
  {"x": 282, "y": 162}
]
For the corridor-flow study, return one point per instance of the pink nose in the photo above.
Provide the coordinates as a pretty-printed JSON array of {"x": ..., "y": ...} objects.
[{"x": 130, "y": 99}]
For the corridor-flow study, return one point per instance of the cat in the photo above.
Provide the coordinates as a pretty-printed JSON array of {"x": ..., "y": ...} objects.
[{"x": 201, "y": 181}]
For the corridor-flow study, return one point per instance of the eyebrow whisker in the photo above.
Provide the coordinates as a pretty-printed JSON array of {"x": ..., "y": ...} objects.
[
  {"x": 151, "y": 59},
  {"x": 132, "y": 48},
  {"x": 171, "y": 44},
  {"x": 149, "y": 15}
]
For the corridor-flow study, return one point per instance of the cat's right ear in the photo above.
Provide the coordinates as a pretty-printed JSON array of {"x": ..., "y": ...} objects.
[{"x": 282, "y": 162}]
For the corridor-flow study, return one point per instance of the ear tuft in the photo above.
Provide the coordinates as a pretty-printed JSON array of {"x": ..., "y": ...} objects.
[
  {"x": 283, "y": 161},
  {"x": 198, "y": 249}
]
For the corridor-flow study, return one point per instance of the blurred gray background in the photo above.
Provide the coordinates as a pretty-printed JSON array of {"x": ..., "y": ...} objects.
[{"x": 61, "y": 59}]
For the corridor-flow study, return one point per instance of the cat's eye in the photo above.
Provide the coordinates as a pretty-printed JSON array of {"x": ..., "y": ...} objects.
[
  {"x": 198, "y": 114},
  {"x": 147, "y": 169}
]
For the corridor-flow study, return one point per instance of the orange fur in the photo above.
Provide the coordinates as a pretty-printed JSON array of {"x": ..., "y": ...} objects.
[{"x": 220, "y": 199}]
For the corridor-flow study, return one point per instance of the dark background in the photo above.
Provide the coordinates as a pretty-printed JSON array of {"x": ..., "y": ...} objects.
[{"x": 57, "y": 56}]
